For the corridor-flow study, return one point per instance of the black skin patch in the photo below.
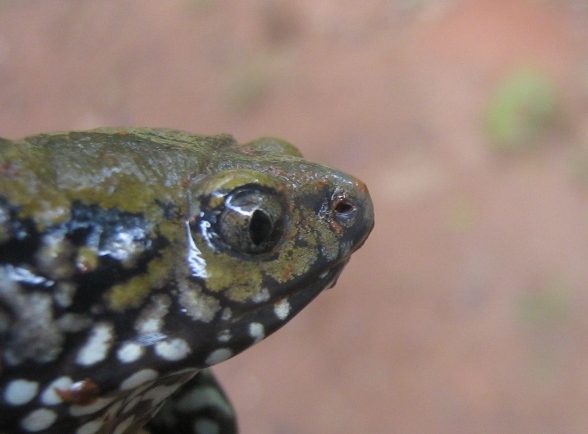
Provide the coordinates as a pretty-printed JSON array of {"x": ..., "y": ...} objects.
[
  {"x": 20, "y": 236},
  {"x": 88, "y": 226},
  {"x": 94, "y": 226}
]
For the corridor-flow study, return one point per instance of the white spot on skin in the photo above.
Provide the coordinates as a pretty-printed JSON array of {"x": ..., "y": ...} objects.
[
  {"x": 196, "y": 304},
  {"x": 138, "y": 378},
  {"x": 124, "y": 425},
  {"x": 38, "y": 420},
  {"x": 96, "y": 348},
  {"x": 20, "y": 274},
  {"x": 151, "y": 325},
  {"x": 226, "y": 314},
  {"x": 261, "y": 296},
  {"x": 19, "y": 392},
  {"x": 218, "y": 356},
  {"x": 151, "y": 318},
  {"x": 173, "y": 349},
  {"x": 125, "y": 246},
  {"x": 53, "y": 256},
  {"x": 150, "y": 339},
  {"x": 224, "y": 336},
  {"x": 90, "y": 427},
  {"x": 130, "y": 352},
  {"x": 49, "y": 396},
  {"x": 34, "y": 333},
  {"x": 83, "y": 410},
  {"x": 282, "y": 309},
  {"x": 257, "y": 332}
]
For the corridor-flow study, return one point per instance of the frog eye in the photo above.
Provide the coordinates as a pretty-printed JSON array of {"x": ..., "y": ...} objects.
[{"x": 252, "y": 220}]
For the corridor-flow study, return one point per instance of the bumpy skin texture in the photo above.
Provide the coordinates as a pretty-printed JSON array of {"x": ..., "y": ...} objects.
[{"x": 131, "y": 260}]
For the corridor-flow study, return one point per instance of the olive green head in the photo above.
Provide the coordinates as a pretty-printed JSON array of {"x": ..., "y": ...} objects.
[{"x": 270, "y": 230}]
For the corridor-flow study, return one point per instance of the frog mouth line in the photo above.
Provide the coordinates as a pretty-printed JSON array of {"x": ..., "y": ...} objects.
[{"x": 266, "y": 312}]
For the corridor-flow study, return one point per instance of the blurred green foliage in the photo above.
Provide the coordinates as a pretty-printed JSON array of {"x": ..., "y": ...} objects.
[{"x": 521, "y": 110}]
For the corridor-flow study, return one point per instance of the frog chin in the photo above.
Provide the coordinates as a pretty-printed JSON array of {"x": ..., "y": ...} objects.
[{"x": 264, "y": 318}]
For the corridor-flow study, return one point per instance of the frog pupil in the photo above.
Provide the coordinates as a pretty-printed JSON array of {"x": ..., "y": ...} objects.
[{"x": 260, "y": 227}]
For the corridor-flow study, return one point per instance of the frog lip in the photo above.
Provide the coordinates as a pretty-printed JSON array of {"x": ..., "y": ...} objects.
[
  {"x": 298, "y": 296},
  {"x": 277, "y": 310},
  {"x": 316, "y": 282},
  {"x": 337, "y": 273}
]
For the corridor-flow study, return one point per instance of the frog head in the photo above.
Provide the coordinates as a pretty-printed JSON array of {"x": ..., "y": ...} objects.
[{"x": 264, "y": 238}]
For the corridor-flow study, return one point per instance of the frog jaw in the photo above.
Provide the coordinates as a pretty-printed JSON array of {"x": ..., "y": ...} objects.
[
  {"x": 324, "y": 228},
  {"x": 253, "y": 325}
]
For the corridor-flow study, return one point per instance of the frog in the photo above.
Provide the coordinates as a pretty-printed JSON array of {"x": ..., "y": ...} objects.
[{"x": 134, "y": 259}]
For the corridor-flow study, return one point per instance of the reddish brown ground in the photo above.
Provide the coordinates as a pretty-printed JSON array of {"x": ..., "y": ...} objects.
[{"x": 466, "y": 311}]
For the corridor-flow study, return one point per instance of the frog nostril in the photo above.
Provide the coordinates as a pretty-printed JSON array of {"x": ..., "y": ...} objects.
[
  {"x": 344, "y": 206},
  {"x": 345, "y": 211}
]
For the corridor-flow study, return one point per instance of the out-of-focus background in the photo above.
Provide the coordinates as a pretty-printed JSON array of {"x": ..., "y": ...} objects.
[{"x": 467, "y": 309}]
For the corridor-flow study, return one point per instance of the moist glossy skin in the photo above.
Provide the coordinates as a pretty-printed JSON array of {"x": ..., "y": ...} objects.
[{"x": 131, "y": 260}]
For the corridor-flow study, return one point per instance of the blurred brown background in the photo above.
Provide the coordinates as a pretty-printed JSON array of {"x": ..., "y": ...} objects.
[{"x": 467, "y": 310}]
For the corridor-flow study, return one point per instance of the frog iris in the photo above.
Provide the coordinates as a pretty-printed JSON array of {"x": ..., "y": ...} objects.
[{"x": 250, "y": 220}]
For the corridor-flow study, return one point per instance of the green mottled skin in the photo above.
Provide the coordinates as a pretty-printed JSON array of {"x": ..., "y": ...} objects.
[{"x": 154, "y": 254}]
